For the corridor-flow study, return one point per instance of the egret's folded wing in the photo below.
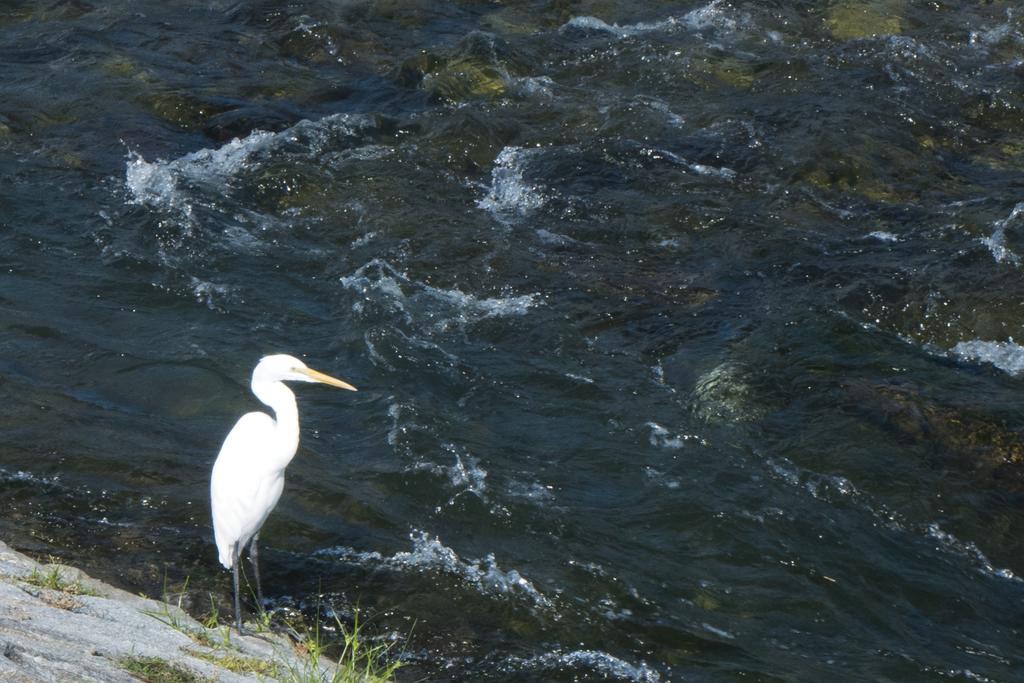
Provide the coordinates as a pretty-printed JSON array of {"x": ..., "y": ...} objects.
[{"x": 242, "y": 492}]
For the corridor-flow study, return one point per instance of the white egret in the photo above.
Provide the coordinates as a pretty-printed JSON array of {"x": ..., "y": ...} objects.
[{"x": 248, "y": 475}]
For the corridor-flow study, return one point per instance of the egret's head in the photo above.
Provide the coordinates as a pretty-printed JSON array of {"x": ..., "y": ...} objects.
[{"x": 284, "y": 368}]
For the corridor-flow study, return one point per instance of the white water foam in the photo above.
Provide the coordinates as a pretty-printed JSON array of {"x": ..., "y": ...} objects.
[
  {"x": 658, "y": 373},
  {"x": 721, "y": 633},
  {"x": 11, "y": 476},
  {"x": 883, "y": 236},
  {"x": 158, "y": 183},
  {"x": 534, "y": 86},
  {"x": 317, "y": 30},
  {"x": 996, "y": 243},
  {"x": 700, "y": 169},
  {"x": 364, "y": 240},
  {"x": 531, "y": 491},
  {"x": 969, "y": 550},
  {"x": 661, "y": 107},
  {"x": 601, "y": 663},
  {"x": 399, "y": 427},
  {"x": 1008, "y": 356},
  {"x": 554, "y": 238},
  {"x": 438, "y": 309},
  {"x": 494, "y": 307},
  {"x": 996, "y": 34},
  {"x": 662, "y": 438},
  {"x": 510, "y": 195},
  {"x": 710, "y": 16},
  {"x": 166, "y": 184},
  {"x": 826, "y": 487},
  {"x": 210, "y": 293},
  {"x": 465, "y": 474},
  {"x": 662, "y": 479},
  {"x": 429, "y": 554},
  {"x": 588, "y": 23},
  {"x": 720, "y": 171}
]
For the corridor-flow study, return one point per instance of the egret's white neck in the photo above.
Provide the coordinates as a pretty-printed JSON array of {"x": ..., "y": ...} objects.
[{"x": 281, "y": 400}]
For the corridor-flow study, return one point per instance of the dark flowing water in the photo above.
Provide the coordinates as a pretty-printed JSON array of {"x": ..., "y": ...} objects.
[{"x": 684, "y": 330}]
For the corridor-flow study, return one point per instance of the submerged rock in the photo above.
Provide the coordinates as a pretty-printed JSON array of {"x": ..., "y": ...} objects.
[
  {"x": 996, "y": 113},
  {"x": 68, "y": 10},
  {"x": 470, "y": 138},
  {"x": 939, "y": 311},
  {"x": 723, "y": 395},
  {"x": 314, "y": 42},
  {"x": 462, "y": 79},
  {"x": 480, "y": 67},
  {"x": 867, "y": 171},
  {"x": 456, "y": 79},
  {"x": 980, "y": 442},
  {"x": 855, "y": 19},
  {"x": 321, "y": 42},
  {"x": 1011, "y": 154},
  {"x": 182, "y": 109},
  {"x": 122, "y": 67},
  {"x": 734, "y": 72}
]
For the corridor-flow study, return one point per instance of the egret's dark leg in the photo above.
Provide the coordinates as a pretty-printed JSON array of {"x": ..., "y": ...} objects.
[
  {"x": 254, "y": 558},
  {"x": 238, "y": 605}
]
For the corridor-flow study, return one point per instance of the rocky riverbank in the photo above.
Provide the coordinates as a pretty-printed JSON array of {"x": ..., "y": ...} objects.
[{"x": 58, "y": 624}]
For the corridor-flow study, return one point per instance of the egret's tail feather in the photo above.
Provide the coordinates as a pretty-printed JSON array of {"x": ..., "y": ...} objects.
[{"x": 226, "y": 554}]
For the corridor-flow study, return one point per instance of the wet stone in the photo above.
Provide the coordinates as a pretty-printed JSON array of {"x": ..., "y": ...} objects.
[
  {"x": 1010, "y": 154},
  {"x": 183, "y": 110},
  {"x": 981, "y": 443},
  {"x": 851, "y": 175},
  {"x": 66, "y": 10},
  {"x": 996, "y": 112},
  {"x": 464, "y": 79},
  {"x": 470, "y": 140},
  {"x": 316, "y": 43},
  {"x": 734, "y": 72},
  {"x": 120, "y": 66},
  {"x": 853, "y": 19},
  {"x": 453, "y": 80},
  {"x": 724, "y": 395}
]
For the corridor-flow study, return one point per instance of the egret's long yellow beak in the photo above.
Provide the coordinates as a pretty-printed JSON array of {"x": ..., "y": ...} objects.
[{"x": 325, "y": 379}]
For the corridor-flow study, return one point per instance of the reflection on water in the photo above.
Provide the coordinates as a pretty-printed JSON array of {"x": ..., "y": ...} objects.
[{"x": 687, "y": 333}]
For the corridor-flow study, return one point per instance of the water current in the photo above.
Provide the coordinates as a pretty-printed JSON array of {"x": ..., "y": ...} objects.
[{"x": 688, "y": 334}]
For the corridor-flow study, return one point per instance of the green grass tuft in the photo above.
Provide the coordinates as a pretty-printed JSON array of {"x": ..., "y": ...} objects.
[
  {"x": 357, "y": 663},
  {"x": 200, "y": 636},
  {"x": 157, "y": 670},
  {"x": 54, "y": 580},
  {"x": 238, "y": 663}
]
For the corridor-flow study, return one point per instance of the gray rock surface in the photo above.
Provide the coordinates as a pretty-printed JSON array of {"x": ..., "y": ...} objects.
[{"x": 84, "y": 629}]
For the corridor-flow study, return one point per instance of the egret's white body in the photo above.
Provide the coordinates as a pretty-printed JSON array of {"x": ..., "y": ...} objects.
[
  {"x": 245, "y": 486},
  {"x": 248, "y": 476}
]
